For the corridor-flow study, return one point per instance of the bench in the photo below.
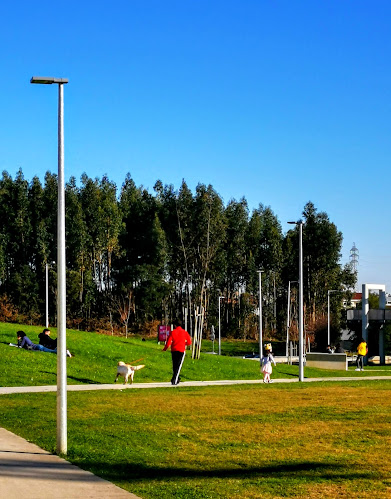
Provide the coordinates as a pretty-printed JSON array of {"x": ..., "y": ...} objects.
[{"x": 337, "y": 361}]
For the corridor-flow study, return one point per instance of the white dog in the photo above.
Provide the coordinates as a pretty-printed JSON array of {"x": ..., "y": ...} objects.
[{"x": 126, "y": 371}]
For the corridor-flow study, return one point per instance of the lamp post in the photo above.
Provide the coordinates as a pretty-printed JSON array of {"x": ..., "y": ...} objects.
[
  {"x": 301, "y": 304},
  {"x": 260, "y": 315},
  {"x": 220, "y": 298},
  {"x": 328, "y": 312},
  {"x": 61, "y": 275},
  {"x": 288, "y": 318},
  {"x": 47, "y": 294}
]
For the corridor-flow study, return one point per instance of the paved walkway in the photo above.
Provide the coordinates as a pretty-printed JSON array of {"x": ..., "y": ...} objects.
[
  {"x": 26, "y": 471},
  {"x": 75, "y": 388}
]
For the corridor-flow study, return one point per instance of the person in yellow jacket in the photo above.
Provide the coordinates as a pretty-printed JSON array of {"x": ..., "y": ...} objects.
[{"x": 362, "y": 350}]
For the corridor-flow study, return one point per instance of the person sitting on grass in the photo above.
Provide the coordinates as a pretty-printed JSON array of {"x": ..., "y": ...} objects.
[
  {"x": 267, "y": 360},
  {"x": 25, "y": 342},
  {"x": 46, "y": 341}
]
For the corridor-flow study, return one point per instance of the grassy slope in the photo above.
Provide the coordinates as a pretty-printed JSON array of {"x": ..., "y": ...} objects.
[{"x": 96, "y": 357}]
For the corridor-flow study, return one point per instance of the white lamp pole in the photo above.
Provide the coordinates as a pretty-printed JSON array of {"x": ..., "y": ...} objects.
[
  {"x": 260, "y": 316},
  {"x": 288, "y": 318},
  {"x": 301, "y": 301},
  {"x": 220, "y": 297},
  {"x": 61, "y": 274},
  {"x": 301, "y": 304},
  {"x": 47, "y": 296}
]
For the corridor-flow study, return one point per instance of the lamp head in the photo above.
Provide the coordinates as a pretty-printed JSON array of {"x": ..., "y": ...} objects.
[
  {"x": 48, "y": 80},
  {"x": 296, "y": 223}
]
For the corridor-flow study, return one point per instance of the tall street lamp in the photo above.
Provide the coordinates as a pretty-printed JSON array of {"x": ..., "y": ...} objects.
[
  {"x": 288, "y": 318},
  {"x": 220, "y": 298},
  {"x": 328, "y": 312},
  {"x": 47, "y": 293},
  {"x": 299, "y": 223},
  {"x": 260, "y": 315},
  {"x": 61, "y": 275}
]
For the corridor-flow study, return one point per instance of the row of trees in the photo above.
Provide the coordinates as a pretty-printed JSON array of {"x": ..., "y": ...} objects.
[{"x": 134, "y": 257}]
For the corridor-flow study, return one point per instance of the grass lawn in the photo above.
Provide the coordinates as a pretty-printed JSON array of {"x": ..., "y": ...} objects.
[
  {"x": 293, "y": 440},
  {"x": 96, "y": 357},
  {"x": 290, "y": 440}
]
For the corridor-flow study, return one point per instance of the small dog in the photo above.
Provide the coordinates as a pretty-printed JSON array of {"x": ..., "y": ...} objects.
[{"x": 126, "y": 371}]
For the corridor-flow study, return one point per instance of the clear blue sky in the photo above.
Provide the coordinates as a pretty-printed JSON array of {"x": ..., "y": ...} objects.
[{"x": 279, "y": 101}]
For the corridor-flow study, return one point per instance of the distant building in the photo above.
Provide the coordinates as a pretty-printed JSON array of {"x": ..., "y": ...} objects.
[{"x": 355, "y": 300}]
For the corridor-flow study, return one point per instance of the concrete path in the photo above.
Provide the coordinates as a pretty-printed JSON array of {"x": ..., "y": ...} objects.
[
  {"x": 75, "y": 388},
  {"x": 26, "y": 471}
]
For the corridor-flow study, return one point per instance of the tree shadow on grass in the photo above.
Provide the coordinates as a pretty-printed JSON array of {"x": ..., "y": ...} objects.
[
  {"x": 80, "y": 380},
  {"x": 84, "y": 380},
  {"x": 294, "y": 375},
  {"x": 305, "y": 470}
]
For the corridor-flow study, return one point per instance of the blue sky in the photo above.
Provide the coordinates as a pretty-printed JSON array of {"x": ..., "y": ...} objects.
[{"x": 279, "y": 101}]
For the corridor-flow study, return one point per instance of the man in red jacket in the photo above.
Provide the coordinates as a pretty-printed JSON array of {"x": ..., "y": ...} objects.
[{"x": 177, "y": 339}]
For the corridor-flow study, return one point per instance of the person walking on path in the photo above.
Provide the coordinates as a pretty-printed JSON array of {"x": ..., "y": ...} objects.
[
  {"x": 178, "y": 339},
  {"x": 362, "y": 350},
  {"x": 267, "y": 360}
]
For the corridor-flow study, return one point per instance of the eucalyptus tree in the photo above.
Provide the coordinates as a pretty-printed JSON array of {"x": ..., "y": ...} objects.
[
  {"x": 264, "y": 242},
  {"x": 47, "y": 232},
  {"x": 80, "y": 289},
  {"x": 40, "y": 241},
  {"x": 235, "y": 264},
  {"x": 322, "y": 269},
  {"x": 195, "y": 230},
  {"x": 142, "y": 264},
  {"x": 110, "y": 226},
  {"x": 209, "y": 229},
  {"x": 103, "y": 221},
  {"x": 321, "y": 258},
  {"x": 271, "y": 249},
  {"x": 183, "y": 251},
  {"x": 15, "y": 228},
  {"x": 175, "y": 212}
]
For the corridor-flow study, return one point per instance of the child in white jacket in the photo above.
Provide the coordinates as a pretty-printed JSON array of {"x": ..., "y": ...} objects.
[{"x": 266, "y": 361}]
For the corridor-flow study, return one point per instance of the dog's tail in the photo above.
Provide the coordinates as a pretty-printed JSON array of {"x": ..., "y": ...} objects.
[{"x": 136, "y": 368}]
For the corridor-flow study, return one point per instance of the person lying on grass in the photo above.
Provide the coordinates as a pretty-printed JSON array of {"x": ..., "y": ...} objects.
[{"x": 25, "y": 342}]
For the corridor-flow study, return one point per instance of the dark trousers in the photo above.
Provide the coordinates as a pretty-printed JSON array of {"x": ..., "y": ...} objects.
[
  {"x": 177, "y": 360},
  {"x": 360, "y": 361}
]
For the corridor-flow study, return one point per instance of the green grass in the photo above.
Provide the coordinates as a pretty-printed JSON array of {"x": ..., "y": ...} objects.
[
  {"x": 307, "y": 440},
  {"x": 290, "y": 440},
  {"x": 96, "y": 357}
]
